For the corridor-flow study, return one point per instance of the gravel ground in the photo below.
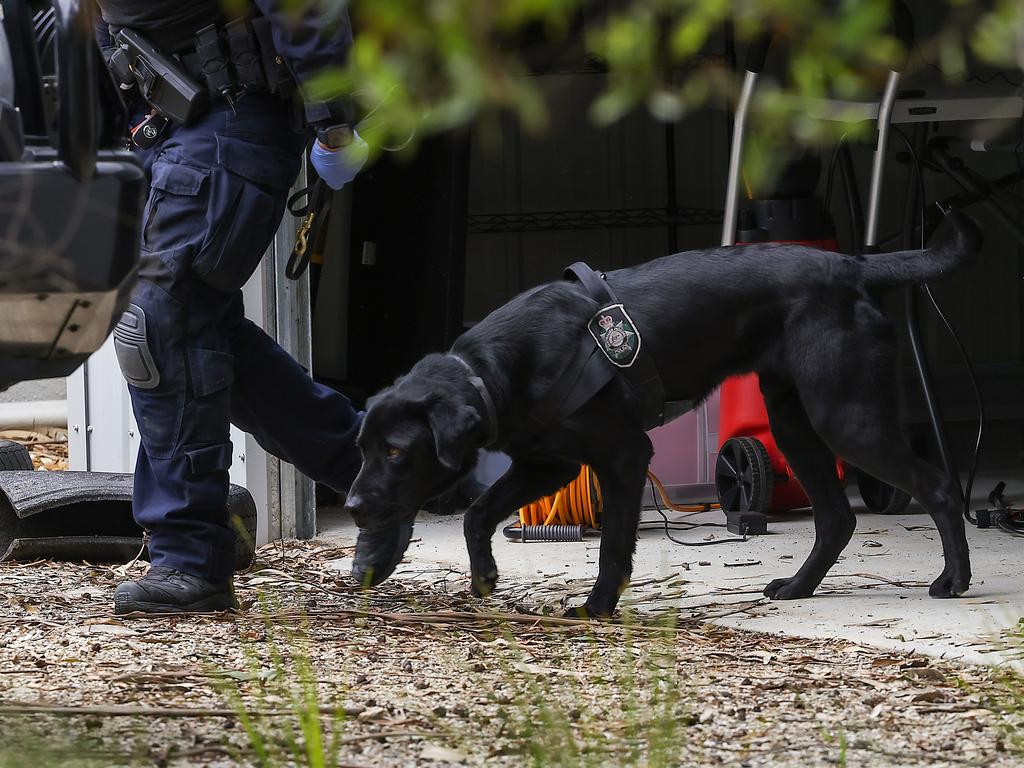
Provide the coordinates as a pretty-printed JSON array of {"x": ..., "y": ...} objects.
[
  {"x": 41, "y": 389},
  {"x": 417, "y": 673}
]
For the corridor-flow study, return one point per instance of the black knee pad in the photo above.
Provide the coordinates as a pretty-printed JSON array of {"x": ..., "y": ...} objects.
[{"x": 132, "y": 347}]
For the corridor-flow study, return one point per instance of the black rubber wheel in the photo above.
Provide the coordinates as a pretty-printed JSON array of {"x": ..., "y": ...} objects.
[
  {"x": 14, "y": 456},
  {"x": 881, "y": 497},
  {"x": 743, "y": 476},
  {"x": 242, "y": 514}
]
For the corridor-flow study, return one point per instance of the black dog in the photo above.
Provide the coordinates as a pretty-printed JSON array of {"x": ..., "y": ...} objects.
[{"x": 809, "y": 322}]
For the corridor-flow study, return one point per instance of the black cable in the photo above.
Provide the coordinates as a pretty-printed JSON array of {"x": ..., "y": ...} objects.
[
  {"x": 977, "y": 395},
  {"x": 1004, "y": 517},
  {"x": 657, "y": 506},
  {"x": 854, "y": 210},
  {"x": 1001, "y": 74},
  {"x": 965, "y": 491},
  {"x": 1011, "y": 528},
  {"x": 841, "y": 157},
  {"x": 827, "y": 204}
]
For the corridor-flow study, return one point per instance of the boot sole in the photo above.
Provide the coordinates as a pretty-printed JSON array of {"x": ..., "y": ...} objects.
[{"x": 213, "y": 604}]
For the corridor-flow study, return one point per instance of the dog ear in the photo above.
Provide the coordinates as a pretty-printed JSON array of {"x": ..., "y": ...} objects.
[{"x": 452, "y": 426}]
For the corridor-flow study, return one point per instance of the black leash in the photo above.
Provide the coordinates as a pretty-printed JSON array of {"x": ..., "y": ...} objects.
[{"x": 313, "y": 214}]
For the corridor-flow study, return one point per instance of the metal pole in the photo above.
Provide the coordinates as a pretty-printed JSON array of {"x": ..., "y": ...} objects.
[
  {"x": 735, "y": 159},
  {"x": 878, "y": 162}
]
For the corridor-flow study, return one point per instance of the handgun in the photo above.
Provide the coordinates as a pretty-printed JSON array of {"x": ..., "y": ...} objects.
[{"x": 162, "y": 80}]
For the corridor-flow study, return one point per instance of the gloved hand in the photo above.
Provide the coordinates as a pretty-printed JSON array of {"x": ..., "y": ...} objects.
[{"x": 339, "y": 166}]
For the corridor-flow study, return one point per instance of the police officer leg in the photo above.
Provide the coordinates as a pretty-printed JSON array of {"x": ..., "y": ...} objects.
[
  {"x": 290, "y": 415},
  {"x": 217, "y": 195},
  {"x": 181, "y": 476}
]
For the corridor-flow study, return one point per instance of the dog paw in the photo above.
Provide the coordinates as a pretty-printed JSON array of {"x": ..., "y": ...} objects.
[
  {"x": 949, "y": 585},
  {"x": 787, "y": 589},
  {"x": 484, "y": 584},
  {"x": 586, "y": 611}
]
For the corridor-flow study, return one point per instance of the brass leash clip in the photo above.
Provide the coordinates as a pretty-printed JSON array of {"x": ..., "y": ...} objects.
[
  {"x": 302, "y": 234},
  {"x": 314, "y": 215}
]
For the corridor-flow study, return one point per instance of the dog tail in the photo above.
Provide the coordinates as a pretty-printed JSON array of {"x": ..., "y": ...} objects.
[{"x": 954, "y": 250}]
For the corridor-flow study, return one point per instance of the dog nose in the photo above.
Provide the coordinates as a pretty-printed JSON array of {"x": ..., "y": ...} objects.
[{"x": 355, "y": 506}]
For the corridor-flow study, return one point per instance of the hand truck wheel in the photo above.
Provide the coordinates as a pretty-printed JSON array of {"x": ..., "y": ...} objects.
[{"x": 743, "y": 476}]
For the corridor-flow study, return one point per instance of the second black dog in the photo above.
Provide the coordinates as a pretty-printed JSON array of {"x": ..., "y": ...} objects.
[{"x": 809, "y": 322}]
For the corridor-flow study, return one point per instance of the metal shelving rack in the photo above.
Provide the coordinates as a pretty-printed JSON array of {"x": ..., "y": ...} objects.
[
  {"x": 623, "y": 218},
  {"x": 669, "y": 217}
]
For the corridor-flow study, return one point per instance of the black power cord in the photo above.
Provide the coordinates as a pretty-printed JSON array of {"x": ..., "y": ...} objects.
[
  {"x": 831, "y": 177},
  {"x": 679, "y": 525},
  {"x": 965, "y": 491},
  {"x": 1012, "y": 528},
  {"x": 1002, "y": 516},
  {"x": 973, "y": 78}
]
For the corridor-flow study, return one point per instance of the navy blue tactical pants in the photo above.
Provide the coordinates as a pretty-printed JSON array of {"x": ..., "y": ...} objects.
[{"x": 193, "y": 362}]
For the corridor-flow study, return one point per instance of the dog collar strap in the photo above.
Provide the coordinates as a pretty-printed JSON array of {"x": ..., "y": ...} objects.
[{"x": 485, "y": 395}]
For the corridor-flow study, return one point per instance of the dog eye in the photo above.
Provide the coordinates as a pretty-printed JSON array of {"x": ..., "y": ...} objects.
[{"x": 394, "y": 453}]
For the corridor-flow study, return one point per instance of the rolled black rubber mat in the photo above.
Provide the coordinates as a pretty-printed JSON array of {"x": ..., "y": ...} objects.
[
  {"x": 14, "y": 456},
  {"x": 88, "y": 516}
]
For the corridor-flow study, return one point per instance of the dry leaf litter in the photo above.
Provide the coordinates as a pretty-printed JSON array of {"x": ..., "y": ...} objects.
[
  {"x": 48, "y": 448},
  {"x": 426, "y": 675}
]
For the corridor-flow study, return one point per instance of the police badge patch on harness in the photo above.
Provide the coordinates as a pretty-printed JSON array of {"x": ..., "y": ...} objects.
[
  {"x": 616, "y": 335},
  {"x": 611, "y": 337}
]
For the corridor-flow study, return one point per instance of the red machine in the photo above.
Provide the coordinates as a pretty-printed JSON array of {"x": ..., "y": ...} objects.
[{"x": 751, "y": 473}]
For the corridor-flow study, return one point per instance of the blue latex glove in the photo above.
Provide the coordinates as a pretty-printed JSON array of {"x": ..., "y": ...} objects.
[{"x": 338, "y": 167}]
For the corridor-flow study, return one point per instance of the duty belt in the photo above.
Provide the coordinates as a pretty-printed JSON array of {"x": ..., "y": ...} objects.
[
  {"x": 238, "y": 58},
  {"x": 611, "y": 345}
]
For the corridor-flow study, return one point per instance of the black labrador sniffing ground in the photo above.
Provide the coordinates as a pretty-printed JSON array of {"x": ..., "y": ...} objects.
[{"x": 809, "y": 322}]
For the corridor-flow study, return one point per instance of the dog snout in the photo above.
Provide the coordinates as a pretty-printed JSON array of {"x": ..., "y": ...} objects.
[
  {"x": 355, "y": 505},
  {"x": 367, "y": 510}
]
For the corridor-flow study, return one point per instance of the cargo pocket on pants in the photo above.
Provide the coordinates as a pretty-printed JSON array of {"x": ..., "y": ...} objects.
[
  {"x": 249, "y": 189},
  {"x": 211, "y": 374},
  {"x": 209, "y": 458},
  {"x": 208, "y": 467},
  {"x": 175, "y": 214}
]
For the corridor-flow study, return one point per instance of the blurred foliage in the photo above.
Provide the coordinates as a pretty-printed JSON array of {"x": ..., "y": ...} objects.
[{"x": 421, "y": 66}]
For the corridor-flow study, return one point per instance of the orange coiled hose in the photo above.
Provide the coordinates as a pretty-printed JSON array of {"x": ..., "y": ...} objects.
[{"x": 580, "y": 503}]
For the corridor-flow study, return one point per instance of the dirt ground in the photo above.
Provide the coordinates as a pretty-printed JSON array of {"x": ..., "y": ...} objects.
[{"x": 418, "y": 673}]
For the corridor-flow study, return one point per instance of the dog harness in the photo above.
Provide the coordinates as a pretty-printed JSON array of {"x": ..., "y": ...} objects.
[{"x": 612, "y": 345}]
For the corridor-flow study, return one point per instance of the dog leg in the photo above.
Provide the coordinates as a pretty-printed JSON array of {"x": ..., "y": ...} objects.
[
  {"x": 862, "y": 426},
  {"x": 815, "y": 468},
  {"x": 891, "y": 460},
  {"x": 622, "y": 486},
  {"x": 521, "y": 484}
]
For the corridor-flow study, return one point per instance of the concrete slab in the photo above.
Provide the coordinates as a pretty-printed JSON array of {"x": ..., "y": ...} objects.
[
  {"x": 30, "y": 391},
  {"x": 876, "y": 594}
]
